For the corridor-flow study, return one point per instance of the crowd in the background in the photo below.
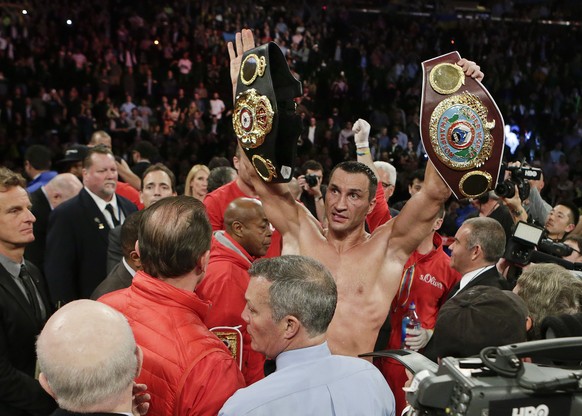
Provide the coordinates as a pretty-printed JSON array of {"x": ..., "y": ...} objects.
[
  {"x": 160, "y": 73},
  {"x": 156, "y": 212}
]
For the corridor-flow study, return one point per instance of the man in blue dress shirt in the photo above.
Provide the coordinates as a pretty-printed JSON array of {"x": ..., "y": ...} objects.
[{"x": 290, "y": 302}]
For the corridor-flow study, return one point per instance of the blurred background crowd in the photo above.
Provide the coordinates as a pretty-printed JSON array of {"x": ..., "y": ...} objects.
[{"x": 158, "y": 72}]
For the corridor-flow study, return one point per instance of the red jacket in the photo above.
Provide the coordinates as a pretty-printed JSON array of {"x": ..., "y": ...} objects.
[
  {"x": 381, "y": 213},
  {"x": 188, "y": 371},
  {"x": 224, "y": 285},
  {"x": 432, "y": 281},
  {"x": 216, "y": 203}
]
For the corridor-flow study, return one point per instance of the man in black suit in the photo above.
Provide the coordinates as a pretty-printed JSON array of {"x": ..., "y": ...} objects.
[
  {"x": 76, "y": 253},
  {"x": 94, "y": 374},
  {"x": 60, "y": 189},
  {"x": 24, "y": 304},
  {"x": 122, "y": 273},
  {"x": 478, "y": 245},
  {"x": 158, "y": 182}
]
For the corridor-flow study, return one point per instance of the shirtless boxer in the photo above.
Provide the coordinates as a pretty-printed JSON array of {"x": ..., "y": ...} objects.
[{"x": 367, "y": 267}]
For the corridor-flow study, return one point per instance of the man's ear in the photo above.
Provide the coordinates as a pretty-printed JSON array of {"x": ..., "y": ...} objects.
[
  {"x": 236, "y": 228},
  {"x": 203, "y": 262},
  {"x": 139, "y": 355},
  {"x": 475, "y": 251},
  {"x": 437, "y": 224},
  {"x": 292, "y": 326},
  {"x": 570, "y": 227},
  {"x": 528, "y": 323},
  {"x": 134, "y": 256},
  {"x": 137, "y": 247},
  {"x": 45, "y": 385},
  {"x": 372, "y": 205}
]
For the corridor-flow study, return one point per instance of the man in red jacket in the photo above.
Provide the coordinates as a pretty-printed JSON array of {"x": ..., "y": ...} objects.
[
  {"x": 187, "y": 369},
  {"x": 246, "y": 237},
  {"x": 217, "y": 201}
]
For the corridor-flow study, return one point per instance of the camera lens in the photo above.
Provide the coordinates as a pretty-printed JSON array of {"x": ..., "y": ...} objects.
[
  {"x": 505, "y": 189},
  {"x": 311, "y": 180}
]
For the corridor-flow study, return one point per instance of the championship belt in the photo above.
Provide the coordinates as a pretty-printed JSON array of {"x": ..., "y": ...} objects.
[
  {"x": 461, "y": 127},
  {"x": 264, "y": 117}
]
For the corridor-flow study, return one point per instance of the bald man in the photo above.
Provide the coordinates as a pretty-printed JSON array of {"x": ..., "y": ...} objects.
[
  {"x": 84, "y": 371},
  {"x": 247, "y": 237},
  {"x": 60, "y": 189}
]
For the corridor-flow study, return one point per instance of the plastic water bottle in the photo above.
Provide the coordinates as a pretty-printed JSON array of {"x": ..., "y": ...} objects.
[{"x": 409, "y": 321}]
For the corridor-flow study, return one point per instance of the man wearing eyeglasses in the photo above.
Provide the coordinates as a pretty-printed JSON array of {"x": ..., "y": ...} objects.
[{"x": 387, "y": 178}]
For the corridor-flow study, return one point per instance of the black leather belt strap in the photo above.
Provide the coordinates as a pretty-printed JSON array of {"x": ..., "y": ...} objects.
[{"x": 264, "y": 118}]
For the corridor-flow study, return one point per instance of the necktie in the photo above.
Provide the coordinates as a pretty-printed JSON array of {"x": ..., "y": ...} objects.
[
  {"x": 109, "y": 209},
  {"x": 30, "y": 290}
]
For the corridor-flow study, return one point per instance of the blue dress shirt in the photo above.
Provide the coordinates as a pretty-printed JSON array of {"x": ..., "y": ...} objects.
[{"x": 311, "y": 381}]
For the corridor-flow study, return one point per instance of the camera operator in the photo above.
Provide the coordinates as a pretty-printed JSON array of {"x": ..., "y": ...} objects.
[
  {"x": 516, "y": 189},
  {"x": 560, "y": 220},
  {"x": 313, "y": 194}
]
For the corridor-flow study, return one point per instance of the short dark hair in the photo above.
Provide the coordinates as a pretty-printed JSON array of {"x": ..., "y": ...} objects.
[
  {"x": 301, "y": 287},
  {"x": 129, "y": 232},
  {"x": 10, "y": 179},
  {"x": 311, "y": 165},
  {"x": 417, "y": 174},
  {"x": 351, "y": 166},
  {"x": 99, "y": 149},
  {"x": 38, "y": 156},
  {"x": 163, "y": 168},
  {"x": 146, "y": 149},
  {"x": 173, "y": 234},
  {"x": 576, "y": 239},
  {"x": 220, "y": 176},
  {"x": 218, "y": 161},
  {"x": 573, "y": 208}
]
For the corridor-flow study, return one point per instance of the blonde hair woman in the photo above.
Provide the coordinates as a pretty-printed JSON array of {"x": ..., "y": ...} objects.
[{"x": 197, "y": 182}]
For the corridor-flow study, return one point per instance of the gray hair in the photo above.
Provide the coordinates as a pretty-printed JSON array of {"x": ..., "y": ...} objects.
[
  {"x": 489, "y": 235},
  {"x": 301, "y": 287},
  {"x": 549, "y": 290},
  {"x": 388, "y": 168}
]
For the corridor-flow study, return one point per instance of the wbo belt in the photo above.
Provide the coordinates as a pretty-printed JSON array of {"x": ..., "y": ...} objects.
[
  {"x": 461, "y": 127},
  {"x": 264, "y": 117}
]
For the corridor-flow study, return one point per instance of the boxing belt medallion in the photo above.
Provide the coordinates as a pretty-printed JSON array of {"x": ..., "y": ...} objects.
[
  {"x": 461, "y": 127},
  {"x": 264, "y": 117}
]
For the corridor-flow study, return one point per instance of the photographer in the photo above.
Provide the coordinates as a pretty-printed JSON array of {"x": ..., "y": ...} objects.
[
  {"x": 558, "y": 221},
  {"x": 313, "y": 194}
]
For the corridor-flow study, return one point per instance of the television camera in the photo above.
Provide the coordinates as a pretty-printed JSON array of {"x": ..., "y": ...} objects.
[
  {"x": 520, "y": 177},
  {"x": 497, "y": 383},
  {"x": 529, "y": 244}
]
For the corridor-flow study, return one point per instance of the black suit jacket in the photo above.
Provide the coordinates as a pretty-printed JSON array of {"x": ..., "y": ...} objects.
[
  {"x": 119, "y": 278},
  {"x": 114, "y": 252},
  {"x": 489, "y": 277},
  {"x": 41, "y": 209},
  {"x": 20, "y": 393},
  {"x": 76, "y": 251}
]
